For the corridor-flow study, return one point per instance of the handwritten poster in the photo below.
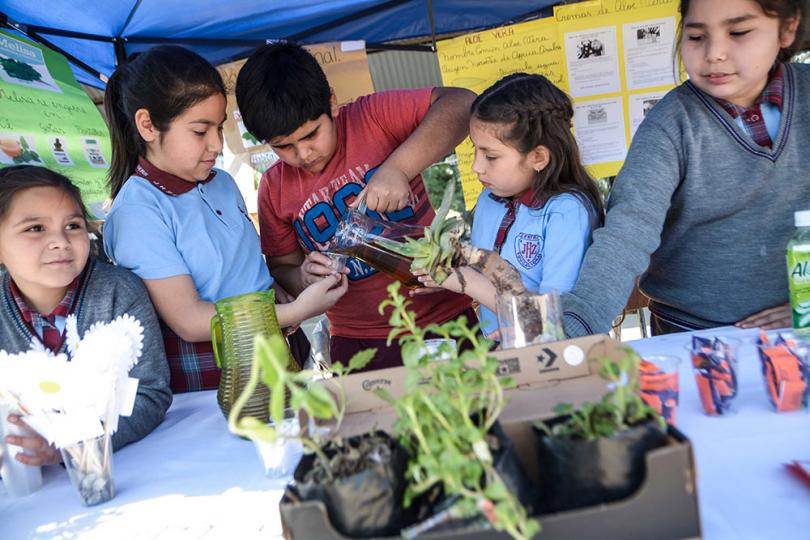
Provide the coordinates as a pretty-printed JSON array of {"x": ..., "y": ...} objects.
[
  {"x": 476, "y": 61},
  {"x": 246, "y": 158},
  {"x": 620, "y": 57},
  {"x": 48, "y": 120}
]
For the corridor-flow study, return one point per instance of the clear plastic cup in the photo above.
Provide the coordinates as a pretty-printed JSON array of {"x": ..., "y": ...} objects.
[
  {"x": 526, "y": 320},
  {"x": 440, "y": 348},
  {"x": 89, "y": 465},
  {"x": 714, "y": 365},
  {"x": 660, "y": 388},
  {"x": 18, "y": 478},
  {"x": 280, "y": 458},
  {"x": 337, "y": 261},
  {"x": 785, "y": 362}
]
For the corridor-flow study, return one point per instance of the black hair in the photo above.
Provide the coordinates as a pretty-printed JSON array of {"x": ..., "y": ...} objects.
[
  {"x": 18, "y": 178},
  {"x": 281, "y": 87},
  {"x": 784, "y": 10},
  {"x": 534, "y": 112},
  {"x": 165, "y": 80}
]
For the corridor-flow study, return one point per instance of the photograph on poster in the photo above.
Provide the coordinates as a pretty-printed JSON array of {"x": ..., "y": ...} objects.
[
  {"x": 639, "y": 106},
  {"x": 593, "y": 61},
  {"x": 60, "y": 151},
  {"x": 590, "y": 47},
  {"x": 599, "y": 130},
  {"x": 649, "y": 53}
]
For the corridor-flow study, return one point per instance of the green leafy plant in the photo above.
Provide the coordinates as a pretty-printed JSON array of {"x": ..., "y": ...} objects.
[
  {"x": 619, "y": 409},
  {"x": 445, "y": 418},
  {"x": 270, "y": 361}
]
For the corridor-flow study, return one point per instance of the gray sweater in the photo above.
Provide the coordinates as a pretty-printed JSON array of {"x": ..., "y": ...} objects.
[
  {"x": 702, "y": 212},
  {"x": 106, "y": 293}
]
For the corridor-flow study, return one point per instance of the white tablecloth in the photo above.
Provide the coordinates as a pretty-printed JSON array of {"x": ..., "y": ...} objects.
[
  {"x": 744, "y": 491},
  {"x": 192, "y": 479}
]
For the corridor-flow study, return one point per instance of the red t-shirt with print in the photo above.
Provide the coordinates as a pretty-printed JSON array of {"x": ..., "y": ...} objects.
[{"x": 299, "y": 209}]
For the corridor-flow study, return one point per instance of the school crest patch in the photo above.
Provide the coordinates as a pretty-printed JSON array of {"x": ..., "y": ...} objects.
[{"x": 528, "y": 249}]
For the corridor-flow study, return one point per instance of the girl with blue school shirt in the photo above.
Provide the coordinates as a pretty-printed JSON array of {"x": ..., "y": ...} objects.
[
  {"x": 539, "y": 205},
  {"x": 177, "y": 222}
]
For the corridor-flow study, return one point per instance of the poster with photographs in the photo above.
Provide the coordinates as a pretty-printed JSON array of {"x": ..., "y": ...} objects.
[
  {"x": 599, "y": 130},
  {"x": 639, "y": 105},
  {"x": 593, "y": 61},
  {"x": 649, "y": 53}
]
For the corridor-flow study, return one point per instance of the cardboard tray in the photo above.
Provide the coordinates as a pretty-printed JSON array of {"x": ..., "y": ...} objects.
[{"x": 664, "y": 507}]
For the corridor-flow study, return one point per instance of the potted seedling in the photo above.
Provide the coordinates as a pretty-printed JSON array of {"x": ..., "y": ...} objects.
[
  {"x": 447, "y": 421},
  {"x": 596, "y": 453},
  {"x": 360, "y": 479}
]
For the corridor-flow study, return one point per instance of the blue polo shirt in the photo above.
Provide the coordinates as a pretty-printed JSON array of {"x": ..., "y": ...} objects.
[
  {"x": 546, "y": 244},
  {"x": 204, "y": 232}
]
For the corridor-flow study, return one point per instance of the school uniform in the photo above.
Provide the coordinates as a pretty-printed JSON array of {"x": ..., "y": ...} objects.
[
  {"x": 545, "y": 240},
  {"x": 162, "y": 226}
]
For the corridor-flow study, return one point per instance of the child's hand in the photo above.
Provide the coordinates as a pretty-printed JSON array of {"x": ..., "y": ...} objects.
[
  {"x": 430, "y": 286},
  {"x": 321, "y": 295},
  {"x": 37, "y": 450},
  {"x": 388, "y": 190},
  {"x": 283, "y": 297},
  {"x": 315, "y": 267},
  {"x": 769, "y": 319}
]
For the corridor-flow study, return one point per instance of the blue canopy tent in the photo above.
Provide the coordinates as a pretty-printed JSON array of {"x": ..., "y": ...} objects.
[{"x": 95, "y": 36}]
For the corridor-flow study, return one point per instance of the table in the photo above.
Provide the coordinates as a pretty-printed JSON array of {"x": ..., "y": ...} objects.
[
  {"x": 191, "y": 478},
  {"x": 744, "y": 491}
]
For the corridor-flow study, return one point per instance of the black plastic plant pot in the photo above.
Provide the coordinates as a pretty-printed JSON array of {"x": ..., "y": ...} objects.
[
  {"x": 577, "y": 473},
  {"x": 366, "y": 502},
  {"x": 507, "y": 464},
  {"x": 509, "y": 468}
]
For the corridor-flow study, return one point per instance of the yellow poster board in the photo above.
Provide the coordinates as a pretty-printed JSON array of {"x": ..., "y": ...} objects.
[
  {"x": 476, "y": 61},
  {"x": 620, "y": 60}
]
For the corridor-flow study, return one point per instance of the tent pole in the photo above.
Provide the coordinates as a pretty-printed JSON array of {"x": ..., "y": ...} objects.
[
  {"x": 432, "y": 25},
  {"x": 120, "y": 51}
]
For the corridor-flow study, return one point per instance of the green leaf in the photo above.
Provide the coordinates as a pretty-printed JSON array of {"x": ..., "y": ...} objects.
[
  {"x": 385, "y": 395},
  {"x": 320, "y": 402},
  {"x": 256, "y": 430},
  {"x": 361, "y": 359},
  {"x": 277, "y": 405},
  {"x": 411, "y": 354}
]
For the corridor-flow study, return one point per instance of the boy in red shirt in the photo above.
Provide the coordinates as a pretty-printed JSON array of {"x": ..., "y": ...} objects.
[{"x": 328, "y": 154}]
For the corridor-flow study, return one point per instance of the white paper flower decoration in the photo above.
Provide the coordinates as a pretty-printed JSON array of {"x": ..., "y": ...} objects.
[{"x": 64, "y": 400}]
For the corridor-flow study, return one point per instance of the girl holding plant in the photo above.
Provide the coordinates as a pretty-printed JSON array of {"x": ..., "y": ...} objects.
[{"x": 539, "y": 205}]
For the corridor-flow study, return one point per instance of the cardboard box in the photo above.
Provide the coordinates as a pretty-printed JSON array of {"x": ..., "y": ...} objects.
[{"x": 664, "y": 507}]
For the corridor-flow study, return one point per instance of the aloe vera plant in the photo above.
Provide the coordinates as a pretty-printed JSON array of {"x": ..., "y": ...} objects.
[{"x": 441, "y": 251}]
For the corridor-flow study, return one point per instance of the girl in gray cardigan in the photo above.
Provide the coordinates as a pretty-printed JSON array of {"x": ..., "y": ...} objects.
[
  {"x": 44, "y": 249},
  {"x": 703, "y": 207}
]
